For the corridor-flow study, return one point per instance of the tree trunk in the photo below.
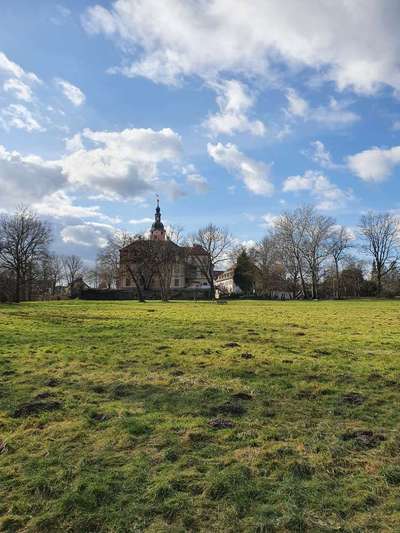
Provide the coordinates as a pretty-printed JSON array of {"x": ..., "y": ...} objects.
[
  {"x": 303, "y": 284},
  {"x": 139, "y": 288},
  {"x": 140, "y": 292},
  {"x": 379, "y": 280},
  {"x": 338, "y": 291},
  {"x": 18, "y": 286},
  {"x": 211, "y": 282}
]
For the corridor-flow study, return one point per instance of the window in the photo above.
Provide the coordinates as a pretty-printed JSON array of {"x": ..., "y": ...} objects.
[
  {"x": 176, "y": 282},
  {"x": 127, "y": 282}
]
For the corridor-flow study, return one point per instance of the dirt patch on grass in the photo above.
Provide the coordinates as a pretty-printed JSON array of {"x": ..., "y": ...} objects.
[
  {"x": 353, "y": 398},
  {"x": 234, "y": 408},
  {"x": 36, "y": 407},
  {"x": 52, "y": 382},
  {"x": 98, "y": 417},
  {"x": 231, "y": 345},
  {"x": 242, "y": 396},
  {"x": 121, "y": 390},
  {"x": 363, "y": 438},
  {"x": 220, "y": 423}
]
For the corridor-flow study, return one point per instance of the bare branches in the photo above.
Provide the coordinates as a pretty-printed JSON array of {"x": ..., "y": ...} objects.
[
  {"x": 24, "y": 240},
  {"x": 216, "y": 243},
  {"x": 381, "y": 241},
  {"x": 339, "y": 241},
  {"x": 108, "y": 258}
]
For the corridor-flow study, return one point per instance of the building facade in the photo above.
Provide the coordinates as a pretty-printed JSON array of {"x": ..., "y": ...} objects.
[{"x": 184, "y": 263}]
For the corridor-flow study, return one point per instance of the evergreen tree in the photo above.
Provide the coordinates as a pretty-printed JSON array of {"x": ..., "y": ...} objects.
[{"x": 244, "y": 273}]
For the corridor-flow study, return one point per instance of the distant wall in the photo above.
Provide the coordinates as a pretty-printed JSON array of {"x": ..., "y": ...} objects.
[{"x": 131, "y": 294}]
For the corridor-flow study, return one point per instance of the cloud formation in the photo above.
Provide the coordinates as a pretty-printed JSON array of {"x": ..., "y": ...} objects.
[
  {"x": 27, "y": 177},
  {"x": 331, "y": 115},
  {"x": 71, "y": 92},
  {"x": 320, "y": 155},
  {"x": 254, "y": 174},
  {"x": 328, "y": 195},
  {"x": 122, "y": 164},
  {"x": 18, "y": 116},
  {"x": 119, "y": 165},
  {"x": 234, "y": 101},
  {"x": 197, "y": 182},
  {"x": 174, "y": 39},
  {"x": 375, "y": 164},
  {"x": 87, "y": 234},
  {"x": 9, "y": 68},
  {"x": 61, "y": 205},
  {"x": 18, "y": 88}
]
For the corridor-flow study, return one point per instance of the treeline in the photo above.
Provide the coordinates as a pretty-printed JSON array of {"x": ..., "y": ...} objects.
[
  {"x": 306, "y": 254},
  {"x": 28, "y": 269}
]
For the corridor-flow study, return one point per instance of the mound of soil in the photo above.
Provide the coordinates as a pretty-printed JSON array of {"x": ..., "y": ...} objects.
[
  {"x": 35, "y": 407},
  {"x": 364, "y": 438},
  {"x": 220, "y": 423}
]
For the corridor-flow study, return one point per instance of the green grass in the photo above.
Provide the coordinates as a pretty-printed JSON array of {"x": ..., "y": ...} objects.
[{"x": 251, "y": 416}]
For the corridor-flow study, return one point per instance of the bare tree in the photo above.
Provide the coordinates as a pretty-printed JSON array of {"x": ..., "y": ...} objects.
[
  {"x": 53, "y": 272},
  {"x": 315, "y": 244},
  {"x": 108, "y": 258},
  {"x": 175, "y": 234},
  {"x": 290, "y": 232},
  {"x": 73, "y": 268},
  {"x": 24, "y": 240},
  {"x": 291, "y": 269},
  {"x": 339, "y": 243},
  {"x": 139, "y": 262},
  {"x": 381, "y": 236},
  {"x": 265, "y": 256},
  {"x": 165, "y": 257},
  {"x": 216, "y": 242}
]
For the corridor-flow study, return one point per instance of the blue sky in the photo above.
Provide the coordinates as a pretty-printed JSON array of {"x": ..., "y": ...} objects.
[{"x": 232, "y": 111}]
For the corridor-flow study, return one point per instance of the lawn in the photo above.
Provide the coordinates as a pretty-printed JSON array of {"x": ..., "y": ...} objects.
[{"x": 251, "y": 416}]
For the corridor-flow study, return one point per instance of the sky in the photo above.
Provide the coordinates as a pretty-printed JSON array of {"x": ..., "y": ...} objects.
[{"x": 232, "y": 111}]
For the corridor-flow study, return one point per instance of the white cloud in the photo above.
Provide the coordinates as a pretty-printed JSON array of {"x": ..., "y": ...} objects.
[
  {"x": 396, "y": 125},
  {"x": 328, "y": 195},
  {"x": 59, "y": 205},
  {"x": 27, "y": 178},
  {"x": 284, "y": 132},
  {"x": 18, "y": 116},
  {"x": 123, "y": 164},
  {"x": 74, "y": 143},
  {"x": 334, "y": 114},
  {"x": 173, "y": 39},
  {"x": 234, "y": 101},
  {"x": 255, "y": 174},
  {"x": 141, "y": 221},
  {"x": 321, "y": 155},
  {"x": 71, "y": 92},
  {"x": 9, "y": 68},
  {"x": 269, "y": 220},
  {"x": 197, "y": 182},
  {"x": 375, "y": 164},
  {"x": 21, "y": 90},
  {"x": 87, "y": 234},
  {"x": 297, "y": 106}
]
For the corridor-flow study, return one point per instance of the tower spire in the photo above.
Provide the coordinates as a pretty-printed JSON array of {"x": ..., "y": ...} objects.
[{"x": 157, "y": 229}]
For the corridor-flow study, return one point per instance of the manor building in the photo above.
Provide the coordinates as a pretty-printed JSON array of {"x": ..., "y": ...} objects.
[{"x": 185, "y": 261}]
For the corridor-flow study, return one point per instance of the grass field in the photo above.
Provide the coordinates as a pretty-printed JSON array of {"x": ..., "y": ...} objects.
[{"x": 250, "y": 416}]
